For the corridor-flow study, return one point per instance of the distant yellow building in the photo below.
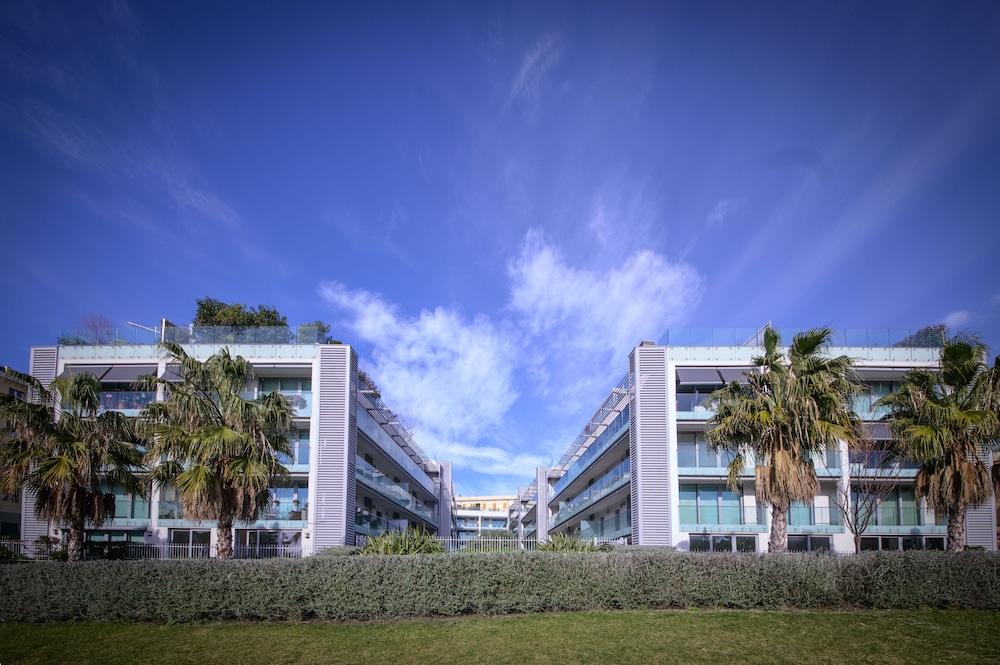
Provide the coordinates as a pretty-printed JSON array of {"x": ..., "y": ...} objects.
[{"x": 475, "y": 515}]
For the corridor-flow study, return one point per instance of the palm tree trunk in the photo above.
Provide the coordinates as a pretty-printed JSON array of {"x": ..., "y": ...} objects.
[
  {"x": 225, "y": 539},
  {"x": 74, "y": 547},
  {"x": 956, "y": 530},
  {"x": 779, "y": 529}
]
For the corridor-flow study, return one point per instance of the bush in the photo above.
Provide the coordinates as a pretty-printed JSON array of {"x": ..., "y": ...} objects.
[
  {"x": 392, "y": 587},
  {"x": 562, "y": 542},
  {"x": 411, "y": 541}
]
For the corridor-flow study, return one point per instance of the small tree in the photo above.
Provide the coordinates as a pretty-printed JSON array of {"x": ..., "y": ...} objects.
[
  {"x": 316, "y": 332},
  {"x": 874, "y": 473}
]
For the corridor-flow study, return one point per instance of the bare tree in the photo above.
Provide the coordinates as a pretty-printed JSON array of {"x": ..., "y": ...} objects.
[
  {"x": 874, "y": 475},
  {"x": 96, "y": 328}
]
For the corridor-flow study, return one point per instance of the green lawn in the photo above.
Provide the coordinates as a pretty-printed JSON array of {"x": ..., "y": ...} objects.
[{"x": 613, "y": 637}]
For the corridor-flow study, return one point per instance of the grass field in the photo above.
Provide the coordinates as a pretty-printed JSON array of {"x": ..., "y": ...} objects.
[{"x": 882, "y": 637}]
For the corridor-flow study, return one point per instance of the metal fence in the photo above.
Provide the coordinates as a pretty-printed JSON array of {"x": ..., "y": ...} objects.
[{"x": 95, "y": 550}]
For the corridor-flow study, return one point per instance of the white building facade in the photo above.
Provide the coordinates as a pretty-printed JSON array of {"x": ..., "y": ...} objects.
[
  {"x": 641, "y": 469},
  {"x": 353, "y": 470},
  {"x": 480, "y": 515}
]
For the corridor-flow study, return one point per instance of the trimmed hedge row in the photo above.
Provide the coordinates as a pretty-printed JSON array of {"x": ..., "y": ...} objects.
[{"x": 392, "y": 587}]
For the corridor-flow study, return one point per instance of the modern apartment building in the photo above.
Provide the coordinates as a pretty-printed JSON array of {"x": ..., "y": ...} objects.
[
  {"x": 354, "y": 470},
  {"x": 10, "y": 507},
  {"x": 641, "y": 468},
  {"x": 475, "y": 515}
]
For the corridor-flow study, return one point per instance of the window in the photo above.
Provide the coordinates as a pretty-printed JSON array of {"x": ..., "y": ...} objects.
[
  {"x": 693, "y": 451},
  {"x": 127, "y": 506},
  {"x": 298, "y": 441},
  {"x": 709, "y": 504},
  {"x": 809, "y": 543},
  {"x": 285, "y": 385},
  {"x": 186, "y": 543},
  {"x": 16, "y": 393},
  {"x": 288, "y": 503},
  {"x": 706, "y": 542},
  {"x": 894, "y": 543},
  {"x": 899, "y": 508}
]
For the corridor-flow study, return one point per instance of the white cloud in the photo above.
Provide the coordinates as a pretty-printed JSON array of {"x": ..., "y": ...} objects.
[
  {"x": 585, "y": 321},
  {"x": 452, "y": 375},
  {"x": 568, "y": 334},
  {"x": 957, "y": 319}
]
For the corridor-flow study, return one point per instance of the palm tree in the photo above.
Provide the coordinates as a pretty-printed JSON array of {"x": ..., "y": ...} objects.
[
  {"x": 64, "y": 454},
  {"x": 944, "y": 420},
  {"x": 786, "y": 411},
  {"x": 219, "y": 450}
]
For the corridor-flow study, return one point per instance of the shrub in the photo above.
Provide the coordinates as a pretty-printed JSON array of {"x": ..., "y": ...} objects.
[
  {"x": 411, "y": 541},
  {"x": 564, "y": 542},
  {"x": 392, "y": 587}
]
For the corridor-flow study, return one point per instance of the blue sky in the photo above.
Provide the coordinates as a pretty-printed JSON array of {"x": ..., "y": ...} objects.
[{"x": 494, "y": 202}]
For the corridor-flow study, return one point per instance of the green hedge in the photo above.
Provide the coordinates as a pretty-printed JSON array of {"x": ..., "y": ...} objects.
[{"x": 391, "y": 587}]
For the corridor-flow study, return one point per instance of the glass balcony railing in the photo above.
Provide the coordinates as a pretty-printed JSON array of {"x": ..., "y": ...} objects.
[
  {"x": 301, "y": 400},
  {"x": 931, "y": 337},
  {"x": 608, "y": 483},
  {"x": 369, "y": 525},
  {"x": 398, "y": 493},
  {"x": 128, "y": 402},
  {"x": 608, "y": 437},
  {"x": 613, "y": 526},
  {"x": 135, "y": 336},
  {"x": 805, "y": 515}
]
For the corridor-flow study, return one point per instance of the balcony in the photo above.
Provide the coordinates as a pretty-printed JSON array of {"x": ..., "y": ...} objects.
[
  {"x": 368, "y": 525},
  {"x": 605, "y": 441},
  {"x": 614, "y": 526},
  {"x": 610, "y": 482},
  {"x": 301, "y": 400},
  {"x": 814, "y": 519},
  {"x": 129, "y": 403},
  {"x": 398, "y": 493},
  {"x": 741, "y": 344}
]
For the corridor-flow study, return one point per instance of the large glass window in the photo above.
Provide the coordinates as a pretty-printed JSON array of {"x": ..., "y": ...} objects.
[
  {"x": 298, "y": 441},
  {"x": 710, "y": 542},
  {"x": 693, "y": 451},
  {"x": 709, "y": 504},
  {"x": 127, "y": 506},
  {"x": 186, "y": 543}
]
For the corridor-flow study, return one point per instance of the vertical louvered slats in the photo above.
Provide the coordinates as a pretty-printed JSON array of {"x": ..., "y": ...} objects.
[
  {"x": 980, "y": 523},
  {"x": 336, "y": 447},
  {"x": 42, "y": 366},
  {"x": 649, "y": 447}
]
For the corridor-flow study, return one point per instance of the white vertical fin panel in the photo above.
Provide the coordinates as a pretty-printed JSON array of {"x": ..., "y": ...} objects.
[
  {"x": 542, "y": 505},
  {"x": 42, "y": 366},
  {"x": 337, "y": 446},
  {"x": 649, "y": 447},
  {"x": 980, "y": 523}
]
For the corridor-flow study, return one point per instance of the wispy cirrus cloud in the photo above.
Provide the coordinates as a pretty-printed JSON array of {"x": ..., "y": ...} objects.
[{"x": 531, "y": 80}]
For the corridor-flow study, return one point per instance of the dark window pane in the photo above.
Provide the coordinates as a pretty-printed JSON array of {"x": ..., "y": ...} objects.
[
  {"x": 798, "y": 543},
  {"x": 819, "y": 544},
  {"x": 699, "y": 542},
  {"x": 722, "y": 543},
  {"x": 869, "y": 544},
  {"x": 890, "y": 543},
  {"x": 934, "y": 543},
  {"x": 913, "y": 544},
  {"x": 746, "y": 543}
]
